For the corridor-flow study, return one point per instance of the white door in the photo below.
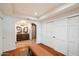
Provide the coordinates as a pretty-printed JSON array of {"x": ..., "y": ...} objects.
[
  {"x": 49, "y": 35},
  {"x": 57, "y": 35},
  {"x": 0, "y": 36},
  {"x": 73, "y": 35},
  {"x": 9, "y": 36}
]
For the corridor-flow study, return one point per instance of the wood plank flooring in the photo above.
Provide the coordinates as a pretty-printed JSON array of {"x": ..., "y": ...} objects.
[
  {"x": 23, "y": 50},
  {"x": 51, "y": 50}
]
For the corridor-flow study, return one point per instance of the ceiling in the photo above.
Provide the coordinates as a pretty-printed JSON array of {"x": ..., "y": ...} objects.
[
  {"x": 30, "y": 9},
  {"x": 35, "y": 11}
]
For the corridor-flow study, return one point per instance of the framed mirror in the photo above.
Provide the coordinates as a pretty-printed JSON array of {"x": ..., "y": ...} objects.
[
  {"x": 25, "y": 29},
  {"x": 19, "y": 29}
]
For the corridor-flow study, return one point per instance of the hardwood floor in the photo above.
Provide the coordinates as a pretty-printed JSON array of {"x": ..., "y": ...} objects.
[
  {"x": 23, "y": 49},
  {"x": 24, "y": 43},
  {"x": 51, "y": 50}
]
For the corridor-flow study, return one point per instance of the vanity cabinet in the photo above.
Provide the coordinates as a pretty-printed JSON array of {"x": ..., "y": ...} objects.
[{"x": 21, "y": 37}]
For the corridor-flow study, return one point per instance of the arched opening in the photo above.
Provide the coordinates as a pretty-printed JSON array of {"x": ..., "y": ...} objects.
[{"x": 25, "y": 33}]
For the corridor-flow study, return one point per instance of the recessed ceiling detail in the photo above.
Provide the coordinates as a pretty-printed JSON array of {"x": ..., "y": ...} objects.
[{"x": 34, "y": 11}]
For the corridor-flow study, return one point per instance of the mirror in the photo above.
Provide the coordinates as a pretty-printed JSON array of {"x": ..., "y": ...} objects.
[
  {"x": 19, "y": 29},
  {"x": 25, "y": 29}
]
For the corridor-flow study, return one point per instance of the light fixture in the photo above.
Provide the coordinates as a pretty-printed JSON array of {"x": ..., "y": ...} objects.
[{"x": 36, "y": 13}]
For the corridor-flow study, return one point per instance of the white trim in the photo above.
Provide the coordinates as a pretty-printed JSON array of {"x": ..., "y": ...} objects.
[
  {"x": 74, "y": 15},
  {"x": 62, "y": 8}
]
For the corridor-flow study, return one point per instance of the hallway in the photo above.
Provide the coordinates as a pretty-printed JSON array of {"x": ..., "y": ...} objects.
[{"x": 39, "y": 29}]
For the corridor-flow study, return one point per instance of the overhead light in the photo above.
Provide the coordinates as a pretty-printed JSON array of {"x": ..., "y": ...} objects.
[{"x": 36, "y": 13}]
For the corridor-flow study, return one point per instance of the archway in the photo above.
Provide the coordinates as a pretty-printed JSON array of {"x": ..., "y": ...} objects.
[{"x": 26, "y": 33}]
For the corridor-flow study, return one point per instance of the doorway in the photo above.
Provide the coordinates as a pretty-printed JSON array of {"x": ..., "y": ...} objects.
[
  {"x": 25, "y": 33},
  {"x": 34, "y": 32}
]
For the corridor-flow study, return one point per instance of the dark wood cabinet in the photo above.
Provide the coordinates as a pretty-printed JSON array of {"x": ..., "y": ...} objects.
[{"x": 21, "y": 37}]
